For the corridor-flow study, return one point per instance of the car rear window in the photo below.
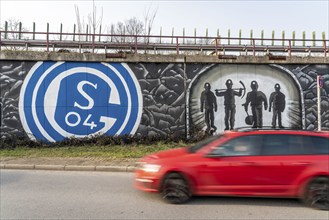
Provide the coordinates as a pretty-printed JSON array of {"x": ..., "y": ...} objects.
[
  {"x": 316, "y": 145},
  {"x": 294, "y": 145}
]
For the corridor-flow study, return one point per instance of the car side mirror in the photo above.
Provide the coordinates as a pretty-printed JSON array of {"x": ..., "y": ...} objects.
[{"x": 215, "y": 153}]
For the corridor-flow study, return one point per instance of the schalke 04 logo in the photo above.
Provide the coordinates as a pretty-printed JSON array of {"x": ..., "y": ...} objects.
[{"x": 65, "y": 99}]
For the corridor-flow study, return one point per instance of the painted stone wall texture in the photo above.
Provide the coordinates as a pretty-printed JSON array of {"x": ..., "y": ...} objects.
[
  {"x": 306, "y": 76},
  {"x": 53, "y": 100}
]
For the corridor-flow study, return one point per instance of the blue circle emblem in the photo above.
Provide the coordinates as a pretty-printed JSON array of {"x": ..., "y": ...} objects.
[{"x": 75, "y": 99}]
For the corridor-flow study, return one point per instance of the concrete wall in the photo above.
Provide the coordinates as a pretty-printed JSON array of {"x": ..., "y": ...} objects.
[{"x": 50, "y": 99}]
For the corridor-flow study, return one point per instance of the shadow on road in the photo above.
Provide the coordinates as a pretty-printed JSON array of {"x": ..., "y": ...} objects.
[
  {"x": 217, "y": 200},
  {"x": 234, "y": 201}
]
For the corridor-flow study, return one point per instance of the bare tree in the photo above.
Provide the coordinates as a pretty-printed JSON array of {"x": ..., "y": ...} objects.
[
  {"x": 128, "y": 29},
  {"x": 80, "y": 23},
  {"x": 12, "y": 29},
  {"x": 94, "y": 22},
  {"x": 136, "y": 27},
  {"x": 149, "y": 17}
]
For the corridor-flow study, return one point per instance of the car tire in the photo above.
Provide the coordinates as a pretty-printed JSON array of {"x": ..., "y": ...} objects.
[
  {"x": 175, "y": 189},
  {"x": 316, "y": 194}
]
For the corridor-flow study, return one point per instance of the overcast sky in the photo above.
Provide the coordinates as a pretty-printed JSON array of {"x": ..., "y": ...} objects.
[{"x": 279, "y": 15}]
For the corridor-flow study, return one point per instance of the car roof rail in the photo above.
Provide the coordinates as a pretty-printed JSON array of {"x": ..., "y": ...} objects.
[
  {"x": 264, "y": 128},
  {"x": 323, "y": 130}
]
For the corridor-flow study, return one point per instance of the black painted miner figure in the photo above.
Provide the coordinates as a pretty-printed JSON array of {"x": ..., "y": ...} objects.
[
  {"x": 277, "y": 98},
  {"x": 209, "y": 104},
  {"x": 229, "y": 103},
  {"x": 256, "y": 99}
]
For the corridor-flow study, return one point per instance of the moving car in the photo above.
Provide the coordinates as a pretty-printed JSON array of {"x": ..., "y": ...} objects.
[{"x": 266, "y": 163}]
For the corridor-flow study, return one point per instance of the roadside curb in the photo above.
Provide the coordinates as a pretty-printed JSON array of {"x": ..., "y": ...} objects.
[{"x": 68, "y": 167}]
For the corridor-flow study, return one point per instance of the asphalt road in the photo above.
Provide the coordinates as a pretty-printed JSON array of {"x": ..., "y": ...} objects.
[{"x": 33, "y": 194}]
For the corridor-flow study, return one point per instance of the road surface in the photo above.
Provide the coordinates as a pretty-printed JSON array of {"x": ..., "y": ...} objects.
[{"x": 33, "y": 194}]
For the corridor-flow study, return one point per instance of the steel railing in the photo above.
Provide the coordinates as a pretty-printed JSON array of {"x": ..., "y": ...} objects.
[{"x": 111, "y": 43}]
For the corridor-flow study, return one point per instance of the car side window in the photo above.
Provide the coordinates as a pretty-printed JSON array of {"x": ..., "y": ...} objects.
[
  {"x": 275, "y": 145},
  {"x": 294, "y": 145},
  {"x": 240, "y": 146},
  {"x": 316, "y": 145}
]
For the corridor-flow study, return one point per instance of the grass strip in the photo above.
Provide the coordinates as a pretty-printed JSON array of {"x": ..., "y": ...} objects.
[{"x": 108, "y": 151}]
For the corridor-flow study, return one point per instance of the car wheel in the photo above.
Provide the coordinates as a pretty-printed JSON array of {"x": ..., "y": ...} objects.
[
  {"x": 317, "y": 193},
  {"x": 175, "y": 189}
]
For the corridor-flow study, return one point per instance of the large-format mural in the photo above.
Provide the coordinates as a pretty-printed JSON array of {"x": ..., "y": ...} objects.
[{"x": 50, "y": 101}]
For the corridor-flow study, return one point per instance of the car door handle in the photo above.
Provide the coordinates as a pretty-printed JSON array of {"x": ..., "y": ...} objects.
[
  {"x": 301, "y": 163},
  {"x": 248, "y": 163}
]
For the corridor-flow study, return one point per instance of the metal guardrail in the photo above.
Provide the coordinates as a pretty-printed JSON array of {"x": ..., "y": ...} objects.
[{"x": 107, "y": 43}]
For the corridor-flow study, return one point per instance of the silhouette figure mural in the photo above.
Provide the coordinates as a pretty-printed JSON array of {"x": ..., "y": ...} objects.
[
  {"x": 229, "y": 102},
  {"x": 209, "y": 105},
  {"x": 277, "y": 100},
  {"x": 256, "y": 99}
]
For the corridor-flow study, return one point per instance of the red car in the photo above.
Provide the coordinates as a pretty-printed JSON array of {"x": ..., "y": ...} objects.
[{"x": 266, "y": 163}]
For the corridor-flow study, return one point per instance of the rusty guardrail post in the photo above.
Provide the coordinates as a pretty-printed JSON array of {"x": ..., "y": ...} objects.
[
  {"x": 60, "y": 32},
  {"x": 33, "y": 36},
  {"x": 47, "y": 37},
  {"x": 100, "y": 33},
  {"x": 6, "y": 29},
  {"x": 93, "y": 43},
  {"x": 177, "y": 48},
  {"x": 253, "y": 47},
  {"x": 74, "y": 32},
  {"x": 325, "y": 48},
  {"x": 86, "y": 34},
  {"x": 20, "y": 31},
  {"x": 216, "y": 49},
  {"x": 136, "y": 44}
]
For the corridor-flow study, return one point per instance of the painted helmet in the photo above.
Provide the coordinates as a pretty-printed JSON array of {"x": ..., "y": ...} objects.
[
  {"x": 207, "y": 85},
  {"x": 277, "y": 86},
  {"x": 254, "y": 84},
  {"x": 229, "y": 82}
]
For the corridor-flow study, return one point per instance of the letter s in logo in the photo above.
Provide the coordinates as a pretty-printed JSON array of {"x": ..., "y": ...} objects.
[
  {"x": 65, "y": 99},
  {"x": 84, "y": 94}
]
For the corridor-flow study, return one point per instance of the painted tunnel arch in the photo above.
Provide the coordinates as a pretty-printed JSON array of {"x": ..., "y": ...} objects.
[{"x": 230, "y": 110}]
